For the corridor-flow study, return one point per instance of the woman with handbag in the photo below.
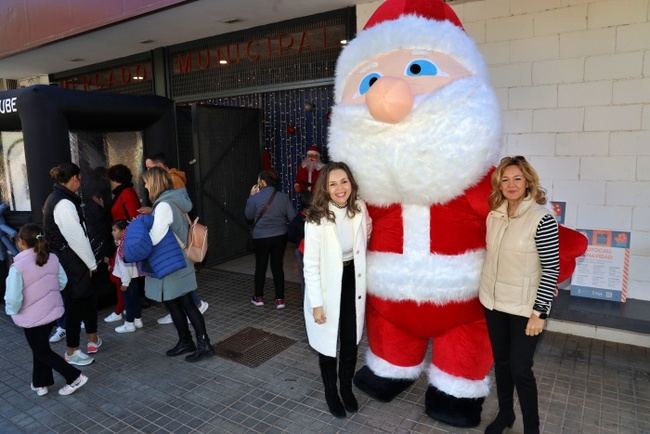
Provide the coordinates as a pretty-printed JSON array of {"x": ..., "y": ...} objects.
[
  {"x": 174, "y": 290},
  {"x": 271, "y": 211}
]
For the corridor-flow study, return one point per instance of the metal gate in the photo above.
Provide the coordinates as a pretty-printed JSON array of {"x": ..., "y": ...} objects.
[{"x": 220, "y": 150}]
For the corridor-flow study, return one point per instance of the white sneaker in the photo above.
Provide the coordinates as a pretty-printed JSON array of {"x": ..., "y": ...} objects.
[
  {"x": 127, "y": 327},
  {"x": 82, "y": 325},
  {"x": 72, "y": 387},
  {"x": 58, "y": 335},
  {"x": 167, "y": 319},
  {"x": 203, "y": 307},
  {"x": 40, "y": 391},
  {"x": 113, "y": 317},
  {"x": 137, "y": 322},
  {"x": 78, "y": 358}
]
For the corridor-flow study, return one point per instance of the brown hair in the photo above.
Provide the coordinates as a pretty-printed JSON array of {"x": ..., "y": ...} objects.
[
  {"x": 63, "y": 172},
  {"x": 158, "y": 181},
  {"x": 534, "y": 189},
  {"x": 321, "y": 198},
  {"x": 32, "y": 235}
]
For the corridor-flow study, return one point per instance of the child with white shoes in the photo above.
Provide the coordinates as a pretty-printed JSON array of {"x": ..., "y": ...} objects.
[
  {"x": 33, "y": 300},
  {"x": 127, "y": 273}
]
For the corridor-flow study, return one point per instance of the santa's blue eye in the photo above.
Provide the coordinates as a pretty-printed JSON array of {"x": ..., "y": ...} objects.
[
  {"x": 421, "y": 67},
  {"x": 368, "y": 81}
]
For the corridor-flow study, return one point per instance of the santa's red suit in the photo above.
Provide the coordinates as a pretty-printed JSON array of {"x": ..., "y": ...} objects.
[{"x": 423, "y": 265}]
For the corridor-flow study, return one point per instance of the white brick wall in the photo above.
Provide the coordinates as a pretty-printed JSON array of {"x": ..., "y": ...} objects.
[
  {"x": 532, "y": 97},
  {"x": 589, "y": 144},
  {"x": 513, "y": 74},
  {"x": 604, "y": 217},
  {"x": 561, "y": 20},
  {"x": 632, "y": 37},
  {"x": 558, "y": 120},
  {"x": 558, "y": 71},
  {"x": 643, "y": 171},
  {"x": 608, "y": 168},
  {"x": 573, "y": 79},
  {"x": 617, "y": 12},
  {"x": 622, "y": 65},
  {"x": 632, "y": 91},
  {"x": 517, "y": 121},
  {"x": 506, "y": 29},
  {"x": 531, "y": 144},
  {"x": 627, "y": 193},
  {"x": 590, "y": 42},
  {"x": 572, "y": 192},
  {"x": 543, "y": 47},
  {"x": 630, "y": 143},
  {"x": 609, "y": 118},
  {"x": 585, "y": 94}
]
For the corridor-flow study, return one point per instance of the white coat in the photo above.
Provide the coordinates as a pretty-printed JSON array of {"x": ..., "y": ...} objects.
[{"x": 323, "y": 271}]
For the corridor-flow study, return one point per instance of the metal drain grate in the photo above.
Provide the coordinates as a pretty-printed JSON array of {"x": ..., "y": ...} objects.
[{"x": 251, "y": 347}]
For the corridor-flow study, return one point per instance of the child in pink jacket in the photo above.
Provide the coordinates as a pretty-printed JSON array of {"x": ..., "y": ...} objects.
[{"x": 33, "y": 300}]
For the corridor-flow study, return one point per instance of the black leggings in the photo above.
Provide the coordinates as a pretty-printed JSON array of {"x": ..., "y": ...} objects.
[
  {"x": 44, "y": 359},
  {"x": 273, "y": 248},
  {"x": 347, "y": 318},
  {"x": 181, "y": 308}
]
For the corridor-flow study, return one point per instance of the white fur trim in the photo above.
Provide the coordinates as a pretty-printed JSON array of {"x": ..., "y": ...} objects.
[
  {"x": 409, "y": 32},
  {"x": 458, "y": 386},
  {"x": 419, "y": 275},
  {"x": 438, "y": 279},
  {"x": 387, "y": 370},
  {"x": 446, "y": 144}
]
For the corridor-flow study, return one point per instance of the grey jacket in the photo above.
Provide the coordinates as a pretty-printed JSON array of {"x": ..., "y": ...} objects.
[
  {"x": 182, "y": 281},
  {"x": 276, "y": 218}
]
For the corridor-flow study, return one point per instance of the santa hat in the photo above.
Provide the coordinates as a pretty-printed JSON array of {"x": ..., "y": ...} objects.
[
  {"x": 313, "y": 148},
  {"x": 410, "y": 24}
]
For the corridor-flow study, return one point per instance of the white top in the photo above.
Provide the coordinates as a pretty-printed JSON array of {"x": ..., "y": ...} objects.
[
  {"x": 162, "y": 219},
  {"x": 344, "y": 231},
  {"x": 125, "y": 271},
  {"x": 67, "y": 219}
]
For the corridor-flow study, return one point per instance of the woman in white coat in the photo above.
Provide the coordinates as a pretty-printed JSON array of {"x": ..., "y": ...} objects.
[{"x": 336, "y": 234}]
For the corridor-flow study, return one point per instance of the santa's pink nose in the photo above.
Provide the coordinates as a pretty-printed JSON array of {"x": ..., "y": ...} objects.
[{"x": 389, "y": 99}]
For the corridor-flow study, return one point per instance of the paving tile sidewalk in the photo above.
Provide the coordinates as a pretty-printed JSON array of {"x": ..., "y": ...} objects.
[{"x": 586, "y": 386}]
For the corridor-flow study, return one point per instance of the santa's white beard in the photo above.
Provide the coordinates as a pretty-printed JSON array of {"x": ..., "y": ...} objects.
[{"x": 445, "y": 145}]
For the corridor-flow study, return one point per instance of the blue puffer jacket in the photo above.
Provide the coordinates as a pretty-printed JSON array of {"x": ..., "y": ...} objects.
[{"x": 160, "y": 260}]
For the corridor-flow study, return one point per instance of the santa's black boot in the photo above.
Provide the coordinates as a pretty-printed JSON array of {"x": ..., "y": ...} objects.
[
  {"x": 460, "y": 412},
  {"x": 380, "y": 388}
]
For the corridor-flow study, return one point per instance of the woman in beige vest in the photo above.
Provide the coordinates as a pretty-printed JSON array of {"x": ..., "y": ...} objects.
[{"x": 518, "y": 281}]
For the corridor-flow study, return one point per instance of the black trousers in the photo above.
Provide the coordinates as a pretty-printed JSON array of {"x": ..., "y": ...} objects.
[
  {"x": 182, "y": 308},
  {"x": 265, "y": 248},
  {"x": 513, "y": 365},
  {"x": 347, "y": 318},
  {"x": 45, "y": 359},
  {"x": 77, "y": 310}
]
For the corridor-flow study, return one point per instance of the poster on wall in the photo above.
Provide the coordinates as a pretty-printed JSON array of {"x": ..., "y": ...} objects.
[
  {"x": 602, "y": 273},
  {"x": 559, "y": 210}
]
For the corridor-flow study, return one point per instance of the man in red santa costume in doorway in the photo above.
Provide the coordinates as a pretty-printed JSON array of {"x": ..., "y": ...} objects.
[
  {"x": 419, "y": 124},
  {"x": 308, "y": 170}
]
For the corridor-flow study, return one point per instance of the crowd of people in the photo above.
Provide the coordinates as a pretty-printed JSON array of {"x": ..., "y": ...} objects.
[{"x": 332, "y": 232}]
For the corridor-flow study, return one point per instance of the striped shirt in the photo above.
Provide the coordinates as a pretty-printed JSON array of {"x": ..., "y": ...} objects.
[{"x": 548, "y": 249}]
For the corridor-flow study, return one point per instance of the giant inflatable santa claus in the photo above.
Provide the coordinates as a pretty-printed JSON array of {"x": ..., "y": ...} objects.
[
  {"x": 418, "y": 123},
  {"x": 416, "y": 119}
]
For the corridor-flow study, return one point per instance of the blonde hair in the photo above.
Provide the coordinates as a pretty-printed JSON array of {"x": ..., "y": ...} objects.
[
  {"x": 533, "y": 189},
  {"x": 158, "y": 181}
]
